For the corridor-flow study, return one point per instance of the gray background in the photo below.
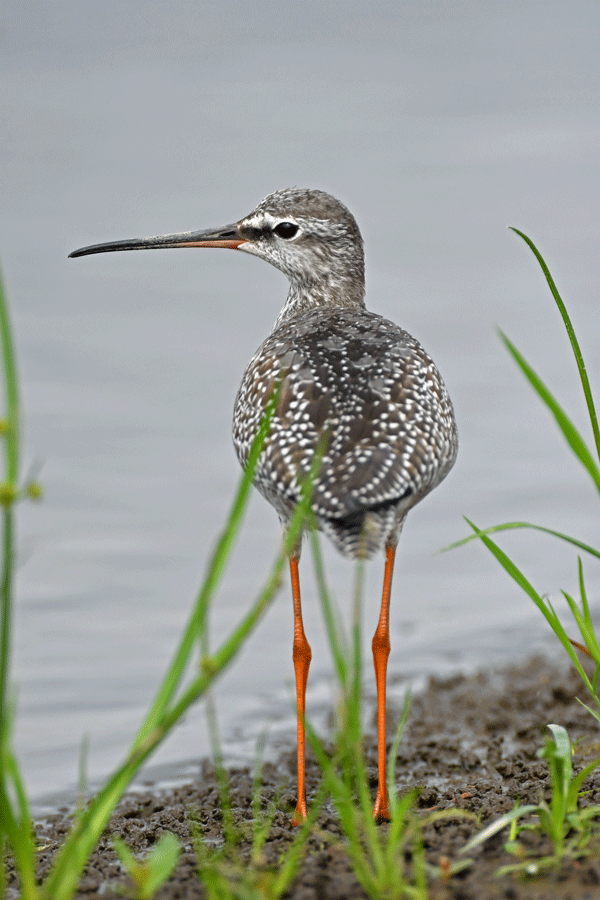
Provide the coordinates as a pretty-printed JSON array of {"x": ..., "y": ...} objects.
[{"x": 438, "y": 125}]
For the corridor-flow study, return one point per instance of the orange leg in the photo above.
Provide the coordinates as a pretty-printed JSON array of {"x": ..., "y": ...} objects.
[
  {"x": 381, "y": 651},
  {"x": 302, "y": 656}
]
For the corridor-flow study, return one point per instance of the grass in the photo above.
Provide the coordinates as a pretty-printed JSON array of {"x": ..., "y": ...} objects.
[
  {"x": 224, "y": 871},
  {"x": 149, "y": 874},
  {"x": 228, "y": 872},
  {"x": 568, "y": 827},
  {"x": 588, "y": 455},
  {"x": 14, "y": 808},
  {"x": 376, "y": 853},
  {"x": 172, "y": 699},
  {"x": 379, "y": 854},
  {"x": 389, "y": 861}
]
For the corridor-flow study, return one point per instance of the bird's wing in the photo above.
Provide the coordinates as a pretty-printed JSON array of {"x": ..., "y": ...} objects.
[{"x": 371, "y": 389}]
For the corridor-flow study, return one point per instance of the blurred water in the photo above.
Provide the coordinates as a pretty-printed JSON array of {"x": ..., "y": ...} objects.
[{"x": 438, "y": 125}]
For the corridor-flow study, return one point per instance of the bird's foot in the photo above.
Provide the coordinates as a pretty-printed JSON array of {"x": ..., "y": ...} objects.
[
  {"x": 300, "y": 813},
  {"x": 381, "y": 812}
]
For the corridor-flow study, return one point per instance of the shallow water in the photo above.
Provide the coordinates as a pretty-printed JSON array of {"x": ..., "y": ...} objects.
[{"x": 438, "y": 129}]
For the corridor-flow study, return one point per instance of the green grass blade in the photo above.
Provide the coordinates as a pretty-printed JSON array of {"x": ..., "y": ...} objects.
[
  {"x": 127, "y": 858},
  {"x": 215, "y": 571},
  {"x": 545, "y": 608},
  {"x": 15, "y": 823},
  {"x": 356, "y": 668},
  {"x": 230, "y": 832},
  {"x": 496, "y": 826},
  {"x": 340, "y": 790},
  {"x": 563, "y": 751},
  {"x": 74, "y": 853},
  {"x": 592, "y": 712},
  {"x": 334, "y": 626},
  {"x": 5, "y": 639},
  {"x": 11, "y": 448},
  {"x": 586, "y": 631},
  {"x": 570, "y": 432},
  {"x": 162, "y": 861},
  {"x": 591, "y": 640},
  {"x": 289, "y": 864},
  {"x": 23, "y": 855},
  {"x": 572, "y": 337},
  {"x": 578, "y": 780},
  {"x": 391, "y": 761},
  {"x": 11, "y": 388},
  {"x": 507, "y": 526}
]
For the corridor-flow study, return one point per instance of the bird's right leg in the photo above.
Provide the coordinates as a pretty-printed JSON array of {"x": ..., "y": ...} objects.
[
  {"x": 302, "y": 656},
  {"x": 381, "y": 651}
]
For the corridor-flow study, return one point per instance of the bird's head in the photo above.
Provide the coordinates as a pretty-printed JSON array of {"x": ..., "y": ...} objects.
[
  {"x": 307, "y": 234},
  {"x": 311, "y": 237}
]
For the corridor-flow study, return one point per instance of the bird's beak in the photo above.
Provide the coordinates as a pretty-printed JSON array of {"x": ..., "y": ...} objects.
[{"x": 228, "y": 236}]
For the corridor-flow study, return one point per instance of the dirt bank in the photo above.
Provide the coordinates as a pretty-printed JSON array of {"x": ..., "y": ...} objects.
[{"x": 471, "y": 743}]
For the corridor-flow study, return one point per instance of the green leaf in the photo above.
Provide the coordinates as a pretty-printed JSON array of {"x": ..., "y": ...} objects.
[
  {"x": 559, "y": 754},
  {"x": 150, "y": 873},
  {"x": 161, "y": 862},
  {"x": 572, "y": 337},
  {"x": 497, "y": 825},
  {"x": 544, "y": 607},
  {"x": 578, "y": 780},
  {"x": 128, "y": 860},
  {"x": 570, "y": 432},
  {"x": 508, "y": 526}
]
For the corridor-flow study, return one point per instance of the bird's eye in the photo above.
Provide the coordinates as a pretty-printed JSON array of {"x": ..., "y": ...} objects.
[{"x": 286, "y": 230}]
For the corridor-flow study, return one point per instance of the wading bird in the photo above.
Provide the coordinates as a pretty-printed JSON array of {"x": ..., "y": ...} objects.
[{"x": 341, "y": 372}]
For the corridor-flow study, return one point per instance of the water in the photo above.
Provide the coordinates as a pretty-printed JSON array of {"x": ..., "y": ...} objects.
[{"x": 438, "y": 126}]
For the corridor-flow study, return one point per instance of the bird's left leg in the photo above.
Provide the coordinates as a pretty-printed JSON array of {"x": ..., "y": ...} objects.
[
  {"x": 302, "y": 656},
  {"x": 381, "y": 651}
]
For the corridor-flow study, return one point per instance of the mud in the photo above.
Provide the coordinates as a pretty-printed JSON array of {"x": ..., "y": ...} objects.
[{"x": 471, "y": 743}]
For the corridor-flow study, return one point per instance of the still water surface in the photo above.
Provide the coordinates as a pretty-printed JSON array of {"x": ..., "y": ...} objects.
[{"x": 438, "y": 128}]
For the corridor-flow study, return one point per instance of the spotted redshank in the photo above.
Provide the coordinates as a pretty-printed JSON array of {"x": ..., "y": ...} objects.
[{"x": 341, "y": 372}]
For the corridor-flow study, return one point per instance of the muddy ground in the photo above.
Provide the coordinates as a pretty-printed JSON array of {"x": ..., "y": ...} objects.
[{"x": 471, "y": 743}]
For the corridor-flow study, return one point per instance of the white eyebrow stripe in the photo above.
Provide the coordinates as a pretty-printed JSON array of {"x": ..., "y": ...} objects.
[{"x": 263, "y": 219}]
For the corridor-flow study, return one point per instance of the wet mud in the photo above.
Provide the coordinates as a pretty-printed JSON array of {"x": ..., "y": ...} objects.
[{"x": 471, "y": 743}]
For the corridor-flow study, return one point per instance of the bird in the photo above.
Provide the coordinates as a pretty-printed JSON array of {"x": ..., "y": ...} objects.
[{"x": 341, "y": 378}]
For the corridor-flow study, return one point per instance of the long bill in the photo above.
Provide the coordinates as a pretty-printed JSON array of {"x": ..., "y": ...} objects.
[{"x": 228, "y": 237}]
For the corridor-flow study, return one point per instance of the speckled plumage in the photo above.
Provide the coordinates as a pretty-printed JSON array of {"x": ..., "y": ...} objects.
[
  {"x": 345, "y": 371},
  {"x": 342, "y": 373}
]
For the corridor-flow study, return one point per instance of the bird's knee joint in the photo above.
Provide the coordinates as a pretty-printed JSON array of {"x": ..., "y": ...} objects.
[
  {"x": 301, "y": 652},
  {"x": 381, "y": 643}
]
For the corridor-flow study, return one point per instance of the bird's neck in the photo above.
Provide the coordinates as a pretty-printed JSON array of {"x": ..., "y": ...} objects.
[{"x": 325, "y": 294}]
